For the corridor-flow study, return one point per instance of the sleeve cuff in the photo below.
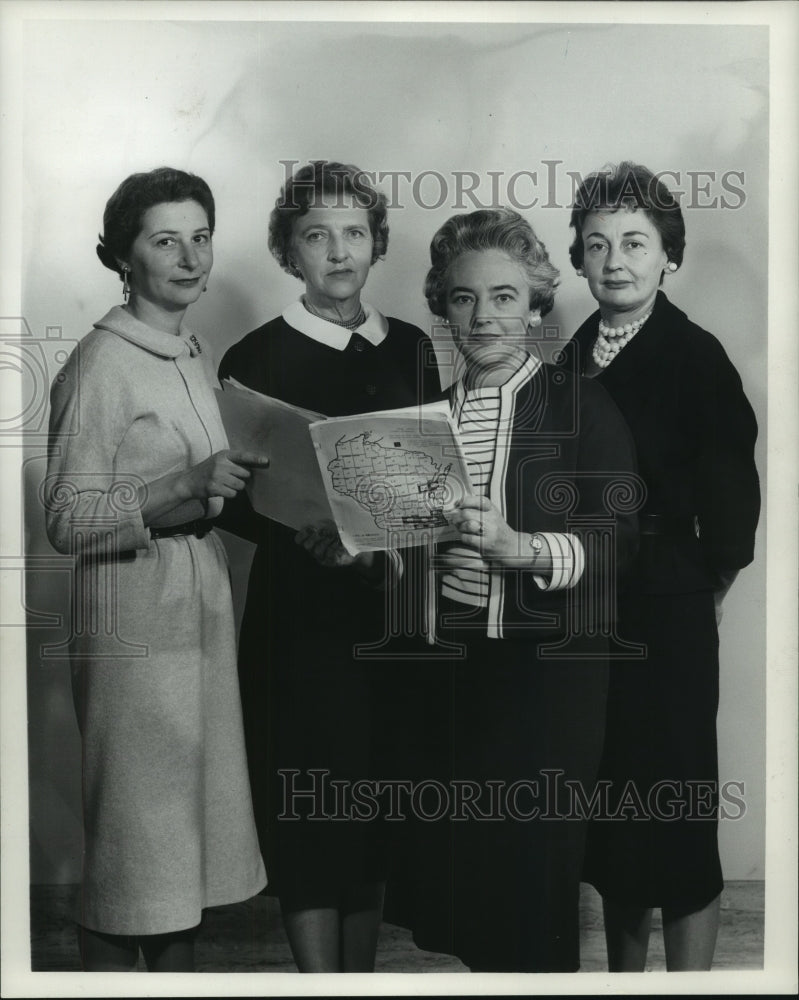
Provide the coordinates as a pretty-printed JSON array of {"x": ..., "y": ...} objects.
[{"x": 568, "y": 561}]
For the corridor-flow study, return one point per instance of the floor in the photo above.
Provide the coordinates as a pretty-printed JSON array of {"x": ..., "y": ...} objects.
[{"x": 248, "y": 937}]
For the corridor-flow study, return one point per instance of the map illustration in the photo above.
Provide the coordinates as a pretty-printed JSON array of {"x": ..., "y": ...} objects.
[{"x": 399, "y": 487}]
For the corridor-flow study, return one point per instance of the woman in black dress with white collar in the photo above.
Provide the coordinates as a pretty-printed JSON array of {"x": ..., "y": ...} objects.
[
  {"x": 694, "y": 433},
  {"x": 310, "y": 705}
]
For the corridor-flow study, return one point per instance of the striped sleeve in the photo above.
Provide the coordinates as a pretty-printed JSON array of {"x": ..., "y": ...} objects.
[{"x": 568, "y": 561}]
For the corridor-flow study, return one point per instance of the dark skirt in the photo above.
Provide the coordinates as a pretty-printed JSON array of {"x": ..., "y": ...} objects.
[
  {"x": 310, "y": 706},
  {"x": 514, "y": 742},
  {"x": 655, "y": 843}
]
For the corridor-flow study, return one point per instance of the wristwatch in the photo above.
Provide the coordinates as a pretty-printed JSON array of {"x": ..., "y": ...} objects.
[{"x": 536, "y": 544}]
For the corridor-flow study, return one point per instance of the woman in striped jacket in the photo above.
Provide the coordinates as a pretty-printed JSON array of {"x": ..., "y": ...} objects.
[{"x": 510, "y": 725}]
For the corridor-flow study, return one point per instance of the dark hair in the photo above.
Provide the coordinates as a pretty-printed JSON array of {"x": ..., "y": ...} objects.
[
  {"x": 307, "y": 189},
  {"x": 124, "y": 211},
  {"x": 491, "y": 229},
  {"x": 629, "y": 186}
]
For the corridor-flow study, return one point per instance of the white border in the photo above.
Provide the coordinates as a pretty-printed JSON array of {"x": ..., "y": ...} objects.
[{"x": 780, "y": 972}]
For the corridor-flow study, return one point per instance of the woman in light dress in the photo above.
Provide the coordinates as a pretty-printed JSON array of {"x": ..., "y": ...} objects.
[{"x": 138, "y": 470}]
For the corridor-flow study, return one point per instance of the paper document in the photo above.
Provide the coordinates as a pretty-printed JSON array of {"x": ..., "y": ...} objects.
[
  {"x": 392, "y": 477},
  {"x": 291, "y": 489},
  {"x": 386, "y": 479}
]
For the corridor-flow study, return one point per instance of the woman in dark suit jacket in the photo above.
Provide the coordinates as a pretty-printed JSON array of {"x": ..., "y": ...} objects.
[
  {"x": 694, "y": 434},
  {"x": 510, "y": 711}
]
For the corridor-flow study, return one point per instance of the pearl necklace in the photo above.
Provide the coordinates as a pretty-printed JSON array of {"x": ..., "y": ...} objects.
[
  {"x": 349, "y": 324},
  {"x": 611, "y": 339}
]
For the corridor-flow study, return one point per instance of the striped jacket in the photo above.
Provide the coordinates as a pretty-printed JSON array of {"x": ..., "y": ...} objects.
[{"x": 564, "y": 464}]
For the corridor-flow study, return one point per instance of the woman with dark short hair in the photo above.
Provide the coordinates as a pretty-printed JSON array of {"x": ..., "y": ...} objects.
[
  {"x": 507, "y": 718},
  {"x": 694, "y": 433},
  {"x": 311, "y": 703},
  {"x": 137, "y": 472}
]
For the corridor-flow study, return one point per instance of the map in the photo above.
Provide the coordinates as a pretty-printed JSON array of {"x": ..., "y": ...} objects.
[
  {"x": 386, "y": 479},
  {"x": 402, "y": 489},
  {"x": 392, "y": 477}
]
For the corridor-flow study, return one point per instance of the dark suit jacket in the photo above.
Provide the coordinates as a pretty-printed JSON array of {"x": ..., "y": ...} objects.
[
  {"x": 568, "y": 465},
  {"x": 694, "y": 434}
]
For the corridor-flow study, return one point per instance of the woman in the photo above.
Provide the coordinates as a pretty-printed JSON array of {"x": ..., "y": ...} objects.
[
  {"x": 308, "y": 699},
  {"x": 137, "y": 471},
  {"x": 497, "y": 876},
  {"x": 694, "y": 433}
]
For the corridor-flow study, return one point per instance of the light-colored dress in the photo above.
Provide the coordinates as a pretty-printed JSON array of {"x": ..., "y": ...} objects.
[{"x": 167, "y": 811}]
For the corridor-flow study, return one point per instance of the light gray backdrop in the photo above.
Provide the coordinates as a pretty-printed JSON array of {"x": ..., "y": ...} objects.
[{"x": 231, "y": 100}]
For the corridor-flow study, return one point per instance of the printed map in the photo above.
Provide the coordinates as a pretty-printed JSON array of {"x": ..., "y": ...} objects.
[{"x": 400, "y": 488}]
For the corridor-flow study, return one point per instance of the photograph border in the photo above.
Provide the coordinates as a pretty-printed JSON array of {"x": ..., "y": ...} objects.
[{"x": 780, "y": 956}]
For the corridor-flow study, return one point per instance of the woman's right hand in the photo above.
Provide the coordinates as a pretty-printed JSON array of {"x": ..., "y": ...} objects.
[{"x": 224, "y": 474}]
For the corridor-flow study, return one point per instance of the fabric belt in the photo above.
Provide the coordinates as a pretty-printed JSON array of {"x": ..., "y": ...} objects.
[
  {"x": 200, "y": 528},
  {"x": 667, "y": 524}
]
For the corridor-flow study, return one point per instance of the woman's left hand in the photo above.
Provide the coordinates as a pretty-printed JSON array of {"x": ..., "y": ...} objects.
[
  {"x": 322, "y": 541},
  {"x": 482, "y": 526}
]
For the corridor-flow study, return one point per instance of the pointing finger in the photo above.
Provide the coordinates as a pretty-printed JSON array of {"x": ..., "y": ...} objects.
[{"x": 249, "y": 458}]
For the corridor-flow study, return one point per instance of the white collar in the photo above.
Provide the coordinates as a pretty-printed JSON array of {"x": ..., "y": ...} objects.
[{"x": 374, "y": 329}]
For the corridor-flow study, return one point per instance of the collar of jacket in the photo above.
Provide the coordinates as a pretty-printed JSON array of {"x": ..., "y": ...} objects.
[
  {"x": 166, "y": 345},
  {"x": 526, "y": 370},
  {"x": 646, "y": 348},
  {"x": 374, "y": 329}
]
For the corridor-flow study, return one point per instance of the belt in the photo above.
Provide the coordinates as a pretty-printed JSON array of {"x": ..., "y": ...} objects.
[
  {"x": 200, "y": 528},
  {"x": 667, "y": 524}
]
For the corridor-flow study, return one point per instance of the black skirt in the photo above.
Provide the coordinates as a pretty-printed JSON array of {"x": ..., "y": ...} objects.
[
  {"x": 310, "y": 705},
  {"x": 656, "y": 842},
  {"x": 513, "y": 743}
]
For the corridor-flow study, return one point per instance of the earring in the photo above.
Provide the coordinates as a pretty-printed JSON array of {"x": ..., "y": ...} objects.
[
  {"x": 671, "y": 266},
  {"x": 535, "y": 319},
  {"x": 125, "y": 285},
  {"x": 580, "y": 272}
]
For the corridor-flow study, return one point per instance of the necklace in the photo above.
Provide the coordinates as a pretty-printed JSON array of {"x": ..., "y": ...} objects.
[
  {"x": 349, "y": 324},
  {"x": 611, "y": 339}
]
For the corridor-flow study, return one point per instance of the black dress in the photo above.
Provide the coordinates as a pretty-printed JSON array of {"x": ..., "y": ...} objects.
[
  {"x": 309, "y": 704},
  {"x": 504, "y": 733},
  {"x": 655, "y": 843}
]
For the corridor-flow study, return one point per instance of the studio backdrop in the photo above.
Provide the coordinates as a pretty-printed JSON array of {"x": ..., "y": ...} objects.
[{"x": 447, "y": 118}]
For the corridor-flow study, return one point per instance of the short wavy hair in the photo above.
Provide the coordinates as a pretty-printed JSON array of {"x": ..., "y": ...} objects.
[
  {"x": 319, "y": 184},
  {"x": 490, "y": 229},
  {"x": 124, "y": 210},
  {"x": 629, "y": 186}
]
